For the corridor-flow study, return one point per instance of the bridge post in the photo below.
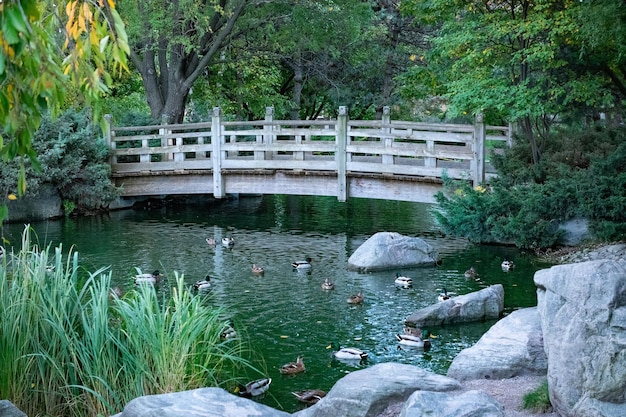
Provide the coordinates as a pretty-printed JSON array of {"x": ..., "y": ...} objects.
[
  {"x": 340, "y": 155},
  {"x": 217, "y": 154},
  {"x": 268, "y": 136},
  {"x": 478, "y": 162},
  {"x": 108, "y": 138},
  {"x": 387, "y": 142}
]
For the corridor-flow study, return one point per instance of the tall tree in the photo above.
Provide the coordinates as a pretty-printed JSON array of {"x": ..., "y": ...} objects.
[
  {"x": 512, "y": 57},
  {"x": 45, "y": 47},
  {"x": 172, "y": 44}
]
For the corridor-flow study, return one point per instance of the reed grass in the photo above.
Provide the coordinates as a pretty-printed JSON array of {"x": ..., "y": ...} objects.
[
  {"x": 538, "y": 400},
  {"x": 68, "y": 347}
]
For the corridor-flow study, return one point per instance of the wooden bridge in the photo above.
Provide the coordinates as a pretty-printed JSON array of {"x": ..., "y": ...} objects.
[{"x": 380, "y": 159}]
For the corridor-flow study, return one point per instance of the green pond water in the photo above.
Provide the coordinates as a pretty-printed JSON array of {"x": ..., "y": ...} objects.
[{"x": 285, "y": 313}]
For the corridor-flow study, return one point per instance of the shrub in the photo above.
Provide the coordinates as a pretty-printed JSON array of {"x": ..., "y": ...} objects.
[
  {"x": 73, "y": 158},
  {"x": 581, "y": 174}
]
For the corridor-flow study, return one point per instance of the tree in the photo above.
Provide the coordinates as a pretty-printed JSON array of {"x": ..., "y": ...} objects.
[
  {"x": 174, "y": 42},
  {"x": 519, "y": 59},
  {"x": 45, "y": 47}
]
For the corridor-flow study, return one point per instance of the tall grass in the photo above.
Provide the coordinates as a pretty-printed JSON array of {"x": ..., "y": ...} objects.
[{"x": 70, "y": 348}]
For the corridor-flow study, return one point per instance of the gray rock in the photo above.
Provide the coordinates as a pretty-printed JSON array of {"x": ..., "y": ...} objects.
[
  {"x": 367, "y": 392},
  {"x": 511, "y": 347},
  {"x": 583, "y": 317},
  {"x": 46, "y": 204},
  {"x": 204, "y": 402},
  {"x": 487, "y": 303},
  {"x": 439, "y": 404},
  {"x": 574, "y": 232},
  {"x": 388, "y": 250},
  {"x": 8, "y": 409}
]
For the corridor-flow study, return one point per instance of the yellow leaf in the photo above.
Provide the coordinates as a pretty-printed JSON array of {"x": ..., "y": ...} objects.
[{"x": 12, "y": 197}]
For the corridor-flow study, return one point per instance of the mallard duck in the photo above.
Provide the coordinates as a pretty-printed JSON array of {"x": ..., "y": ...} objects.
[
  {"x": 152, "y": 278},
  {"x": 210, "y": 241},
  {"x": 228, "y": 242},
  {"x": 309, "y": 396},
  {"x": 470, "y": 273},
  {"x": 292, "y": 368},
  {"x": 300, "y": 265},
  {"x": 356, "y": 298},
  {"x": 327, "y": 285},
  {"x": 254, "y": 388},
  {"x": 403, "y": 281},
  {"x": 257, "y": 269},
  {"x": 411, "y": 339},
  {"x": 507, "y": 265},
  {"x": 445, "y": 295},
  {"x": 203, "y": 285},
  {"x": 1, "y": 252},
  {"x": 115, "y": 292},
  {"x": 229, "y": 331},
  {"x": 346, "y": 352}
]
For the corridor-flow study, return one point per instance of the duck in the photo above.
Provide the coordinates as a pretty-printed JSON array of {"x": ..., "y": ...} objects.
[
  {"x": 257, "y": 269},
  {"x": 356, "y": 298},
  {"x": 203, "y": 285},
  {"x": 115, "y": 292},
  {"x": 152, "y": 278},
  {"x": 328, "y": 285},
  {"x": 507, "y": 265},
  {"x": 411, "y": 339},
  {"x": 1, "y": 252},
  {"x": 346, "y": 352},
  {"x": 229, "y": 331},
  {"x": 301, "y": 265},
  {"x": 403, "y": 281},
  {"x": 229, "y": 242},
  {"x": 210, "y": 241},
  {"x": 445, "y": 295},
  {"x": 309, "y": 396},
  {"x": 293, "y": 368},
  {"x": 470, "y": 273},
  {"x": 254, "y": 388}
]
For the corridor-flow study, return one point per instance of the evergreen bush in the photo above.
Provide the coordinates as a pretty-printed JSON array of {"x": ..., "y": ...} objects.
[
  {"x": 581, "y": 174},
  {"x": 73, "y": 158}
]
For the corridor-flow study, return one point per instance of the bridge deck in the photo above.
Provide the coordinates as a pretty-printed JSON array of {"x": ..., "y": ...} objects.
[{"x": 370, "y": 159}]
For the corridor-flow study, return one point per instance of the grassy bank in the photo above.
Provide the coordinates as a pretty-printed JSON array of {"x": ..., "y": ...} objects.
[{"x": 69, "y": 347}]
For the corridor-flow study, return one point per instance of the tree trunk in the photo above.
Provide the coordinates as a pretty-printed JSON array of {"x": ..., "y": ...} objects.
[{"x": 298, "y": 81}]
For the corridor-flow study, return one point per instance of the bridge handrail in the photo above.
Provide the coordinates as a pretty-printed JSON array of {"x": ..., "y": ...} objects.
[{"x": 339, "y": 146}]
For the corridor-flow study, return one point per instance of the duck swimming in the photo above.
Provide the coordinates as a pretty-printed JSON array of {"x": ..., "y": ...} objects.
[
  {"x": 309, "y": 396},
  {"x": 409, "y": 338},
  {"x": 403, "y": 281},
  {"x": 301, "y": 265},
  {"x": 152, "y": 278},
  {"x": 356, "y": 299},
  {"x": 293, "y": 368},
  {"x": 257, "y": 269},
  {"x": 203, "y": 285},
  {"x": 470, "y": 273},
  {"x": 229, "y": 242},
  {"x": 507, "y": 265},
  {"x": 347, "y": 352},
  {"x": 254, "y": 388},
  {"x": 210, "y": 241},
  {"x": 327, "y": 285}
]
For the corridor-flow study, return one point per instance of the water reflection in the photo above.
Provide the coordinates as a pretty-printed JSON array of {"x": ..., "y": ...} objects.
[{"x": 285, "y": 313}]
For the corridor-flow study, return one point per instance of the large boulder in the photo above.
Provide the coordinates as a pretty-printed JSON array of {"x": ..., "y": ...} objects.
[
  {"x": 389, "y": 250},
  {"x": 487, "y": 303},
  {"x": 8, "y": 409},
  {"x": 511, "y": 347},
  {"x": 44, "y": 205},
  {"x": 367, "y": 392},
  {"x": 583, "y": 316},
  {"x": 440, "y": 404},
  {"x": 202, "y": 402}
]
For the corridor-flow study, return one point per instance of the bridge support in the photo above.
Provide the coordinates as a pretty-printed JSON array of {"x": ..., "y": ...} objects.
[
  {"x": 340, "y": 155},
  {"x": 478, "y": 162},
  {"x": 217, "y": 157}
]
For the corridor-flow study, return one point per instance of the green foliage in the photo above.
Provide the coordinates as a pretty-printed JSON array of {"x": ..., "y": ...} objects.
[
  {"x": 582, "y": 174},
  {"x": 69, "y": 347},
  {"x": 73, "y": 158},
  {"x": 538, "y": 400}
]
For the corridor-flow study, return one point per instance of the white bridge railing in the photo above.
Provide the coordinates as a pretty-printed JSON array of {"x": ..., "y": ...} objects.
[{"x": 340, "y": 147}]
